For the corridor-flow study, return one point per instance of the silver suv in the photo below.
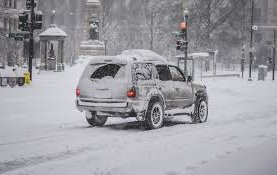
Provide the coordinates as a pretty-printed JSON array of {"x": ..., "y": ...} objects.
[{"x": 141, "y": 84}]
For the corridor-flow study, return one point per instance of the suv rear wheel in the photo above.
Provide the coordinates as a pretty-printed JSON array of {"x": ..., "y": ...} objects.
[
  {"x": 95, "y": 120},
  {"x": 200, "y": 111},
  {"x": 155, "y": 115}
]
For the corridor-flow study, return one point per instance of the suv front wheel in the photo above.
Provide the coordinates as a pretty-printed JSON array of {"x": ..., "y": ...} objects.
[
  {"x": 155, "y": 115},
  {"x": 95, "y": 120},
  {"x": 200, "y": 111}
]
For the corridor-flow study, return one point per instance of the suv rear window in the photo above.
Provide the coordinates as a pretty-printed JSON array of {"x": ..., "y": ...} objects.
[
  {"x": 109, "y": 70},
  {"x": 100, "y": 71}
]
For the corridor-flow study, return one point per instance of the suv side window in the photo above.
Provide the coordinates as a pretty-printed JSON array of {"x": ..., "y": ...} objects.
[
  {"x": 163, "y": 72},
  {"x": 176, "y": 74},
  {"x": 143, "y": 71}
]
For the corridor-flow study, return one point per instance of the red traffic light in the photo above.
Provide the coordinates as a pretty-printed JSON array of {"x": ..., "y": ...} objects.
[{"x": 183, "y": 25}]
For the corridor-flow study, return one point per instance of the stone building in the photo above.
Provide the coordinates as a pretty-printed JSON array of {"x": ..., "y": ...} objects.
[{"x": 265, "y": 15}]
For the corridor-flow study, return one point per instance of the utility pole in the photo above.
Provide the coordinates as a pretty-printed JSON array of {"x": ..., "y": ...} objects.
[
  {"x": 251, "y": 42},
  {"x": 274, "y": 55}
]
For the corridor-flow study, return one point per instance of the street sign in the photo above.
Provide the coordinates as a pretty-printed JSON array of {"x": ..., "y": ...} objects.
[
  {"x": 177, "y": 34},
  {"x": 254, "y": 27},
  {"x": 19, "y": 35}
]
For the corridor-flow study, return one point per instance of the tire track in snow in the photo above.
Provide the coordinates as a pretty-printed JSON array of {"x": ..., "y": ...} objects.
[{"x": 25, "y": 162}]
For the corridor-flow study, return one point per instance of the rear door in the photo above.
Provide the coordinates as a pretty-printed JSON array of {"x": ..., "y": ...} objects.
[
  {"x": 183, "y": 91},
  {"x": 143, "y": 76},
  {"x": 104, "y": 82},
  {"x": 165, "y": 85}
]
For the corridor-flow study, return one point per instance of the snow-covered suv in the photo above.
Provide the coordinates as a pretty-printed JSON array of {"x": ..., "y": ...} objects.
[{"x": 141, "y": 84}]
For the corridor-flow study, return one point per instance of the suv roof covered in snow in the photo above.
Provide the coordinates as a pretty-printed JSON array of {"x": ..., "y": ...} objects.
[
  {"x": 130, "y": 56},
  {"x": 143, "y": 55}
]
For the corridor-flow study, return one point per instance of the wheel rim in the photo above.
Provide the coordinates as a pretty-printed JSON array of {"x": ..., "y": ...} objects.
[
  {"x": 156, "y": 115},
  {"x": 203, "y": 111}
]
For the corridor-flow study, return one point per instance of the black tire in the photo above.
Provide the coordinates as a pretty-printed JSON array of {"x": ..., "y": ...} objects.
[
  {"x": 95, "y": 120},
  {"x": 201, "y": 111},
  {"x": 155, "y": 115}
]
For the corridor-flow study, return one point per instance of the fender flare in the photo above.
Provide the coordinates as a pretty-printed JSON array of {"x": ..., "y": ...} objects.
[{"x": 202, "y": 95}]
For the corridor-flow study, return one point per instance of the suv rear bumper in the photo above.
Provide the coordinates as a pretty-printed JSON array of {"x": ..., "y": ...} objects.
[
  {"x": 123, "y": 110},
  {"x": 104, "y": 107}
]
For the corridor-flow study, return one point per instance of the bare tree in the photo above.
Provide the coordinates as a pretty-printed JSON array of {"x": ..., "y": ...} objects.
[{"x": 211, "y": 15}]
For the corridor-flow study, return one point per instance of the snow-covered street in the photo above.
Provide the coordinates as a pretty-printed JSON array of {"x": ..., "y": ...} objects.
[{"x": 41, "y": 132}]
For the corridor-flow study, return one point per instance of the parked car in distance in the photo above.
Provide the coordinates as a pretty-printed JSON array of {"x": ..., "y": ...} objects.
[{"x": 140, "y": 84}]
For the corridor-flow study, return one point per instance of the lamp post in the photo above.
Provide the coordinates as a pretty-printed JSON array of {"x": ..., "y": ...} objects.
[
  {"x": 251, "y": 42},
  {"x": 71, "y": 15},
  {"x": 53, "y": 16},
  {"x": 186, "y": 16}
]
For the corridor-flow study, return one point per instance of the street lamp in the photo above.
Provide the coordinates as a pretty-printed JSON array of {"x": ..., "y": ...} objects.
[
  {"x": 186, "y": 16},
  {"x": 53, "y": 16}
]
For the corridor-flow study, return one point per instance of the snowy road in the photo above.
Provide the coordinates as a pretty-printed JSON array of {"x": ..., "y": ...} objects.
[{"x": 41, "y": 132}]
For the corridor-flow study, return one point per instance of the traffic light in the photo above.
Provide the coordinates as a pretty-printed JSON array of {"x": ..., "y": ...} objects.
[
  {"x": 242, "y": 61},
  {"x": 183, "y": 28},
  {"x": 38, "y": 20},
  {"x": 23, "y": 21},
  {"x": 211, "y": 53},
  {"x": 184, "y": 46},
  {"x": 270, "y": 60},
  {"x": 29, "y": 4},
  {"x": 178, "y": 44},
  {"x": 243, "y": 53},
  {"x": 181, "y": 45}
]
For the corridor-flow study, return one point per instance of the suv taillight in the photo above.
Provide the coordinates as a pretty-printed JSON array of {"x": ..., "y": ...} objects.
[
  {"x": 132, "y": 92},
  {"x": 78, "y": 92}
]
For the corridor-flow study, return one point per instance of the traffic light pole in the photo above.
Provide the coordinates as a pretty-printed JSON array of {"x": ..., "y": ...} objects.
[
  {"x": 186, "y": 46},
  {"x": 274, "y": 55},
  {"x": 31, "y": 39}
]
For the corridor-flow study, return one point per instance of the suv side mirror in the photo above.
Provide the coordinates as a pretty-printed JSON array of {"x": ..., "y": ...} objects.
[{"x": 189, "y": 79}]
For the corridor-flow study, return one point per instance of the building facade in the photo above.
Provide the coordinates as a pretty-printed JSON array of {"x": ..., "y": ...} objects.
[
  {"x": 265, "y": 14},
  {"x": 9, "y": 49}
]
